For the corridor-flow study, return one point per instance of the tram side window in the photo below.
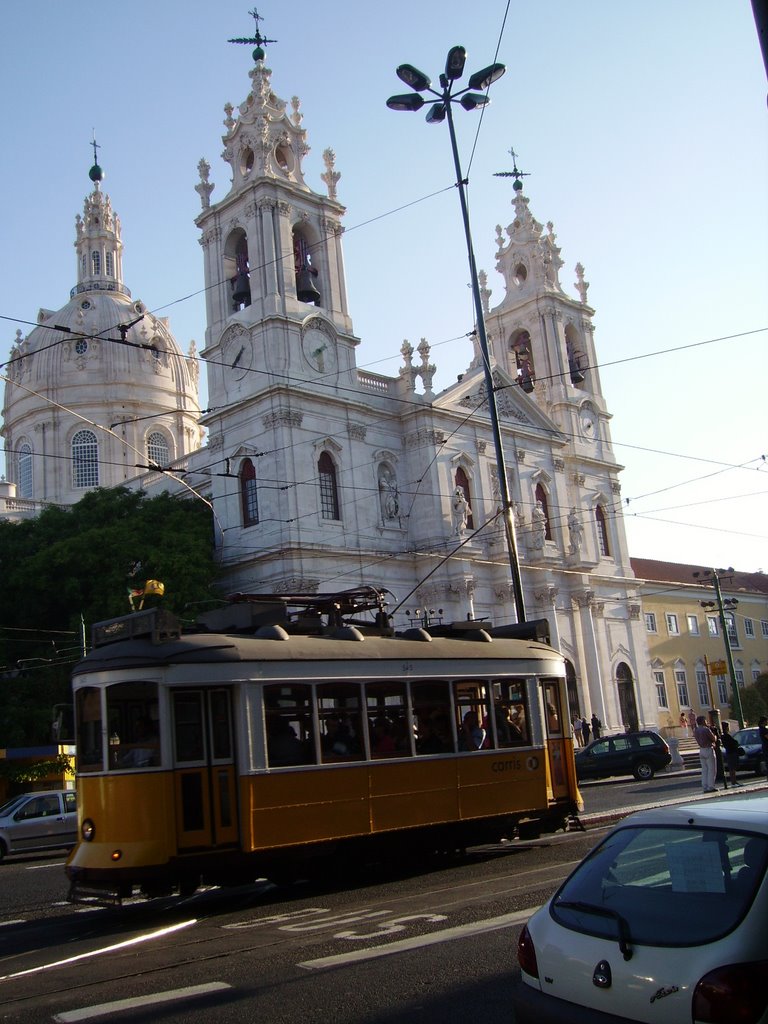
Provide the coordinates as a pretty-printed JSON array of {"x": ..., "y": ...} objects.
[
  {"x": 90, "y": 751},
  {"x": 431, "y": 704},
  {"x": 288, "y": 718},
  {"x": 132, "y": 721},
  {"x": 341, "y": 735},
  {"x": 188, "y": 731},
  {"x": 510, "y": 709},
  {"x": 551, "y": 691},
  {"x": 387, "y": 714},
  {"x": 471, "y": 703}
]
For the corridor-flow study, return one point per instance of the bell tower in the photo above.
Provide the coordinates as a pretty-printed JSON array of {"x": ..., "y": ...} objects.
[
  {"x": 272, "y": 248},
  {"x": 541, "y": 335}
]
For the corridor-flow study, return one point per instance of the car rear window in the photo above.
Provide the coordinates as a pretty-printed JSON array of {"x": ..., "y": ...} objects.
[
  {"x": 646, "y": 741},
  {"x": 667, "y": 886}
]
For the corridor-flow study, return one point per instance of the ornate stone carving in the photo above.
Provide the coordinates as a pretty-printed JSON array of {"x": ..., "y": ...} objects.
[
  {"x": 204, "y": 186},
  {"x": 559, "y": 465},
  {"x": 283, "y": 417},
  {"x": 357, "y": 431},
  {"x": 331, "y": 176}
]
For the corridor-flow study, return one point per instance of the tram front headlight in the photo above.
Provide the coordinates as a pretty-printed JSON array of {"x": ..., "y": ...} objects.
[{"x": 88, "y": 830}]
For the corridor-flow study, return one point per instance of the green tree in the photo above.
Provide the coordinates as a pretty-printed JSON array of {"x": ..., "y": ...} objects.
[
  {"x": 71, "y": 566},
  {"x": 754, "y": 700}
]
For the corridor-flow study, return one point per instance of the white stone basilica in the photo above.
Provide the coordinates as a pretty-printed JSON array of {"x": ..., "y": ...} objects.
[{"x": 324, "y": 476}]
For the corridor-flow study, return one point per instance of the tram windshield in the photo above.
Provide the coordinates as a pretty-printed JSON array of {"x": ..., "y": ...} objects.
[{"x": 127, "y": 737}]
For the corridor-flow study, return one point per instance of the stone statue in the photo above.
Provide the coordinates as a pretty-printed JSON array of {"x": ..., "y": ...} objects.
[
  {"x": 389, "y": 497},
  {"x": 538, "y": 527},
  {"x": 576, "y": 531},
  {"x": 459, "y": 511}
]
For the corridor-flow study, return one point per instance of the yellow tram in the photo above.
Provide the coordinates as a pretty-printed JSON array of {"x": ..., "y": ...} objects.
[{"x": 287, "y": 731}]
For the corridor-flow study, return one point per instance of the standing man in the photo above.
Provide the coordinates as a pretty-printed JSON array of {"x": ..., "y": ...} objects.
[
  {"x": 577, "y": 731},
  {"x": 706, "y": 740},
  {"x": 585, "y": 731},
  {"x": 597, "y": 725}
]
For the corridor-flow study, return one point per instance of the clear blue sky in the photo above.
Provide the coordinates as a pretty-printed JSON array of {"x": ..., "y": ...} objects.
[{"x": 643, "y": 127}]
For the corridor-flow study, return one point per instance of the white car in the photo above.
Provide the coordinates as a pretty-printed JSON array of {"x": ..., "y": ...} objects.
[
  {"x": 38, "y": 821},
  {"x": 665, "y": 921}
]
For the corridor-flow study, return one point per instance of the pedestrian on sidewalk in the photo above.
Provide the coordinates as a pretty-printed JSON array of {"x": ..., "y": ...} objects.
[
  {"x": 577, "y": 731},
  {"x": 706, "y": 739},
  {"x": 731, "y": 749},
  {"x": 585, "y": 731},
  {"x": 597, "y": 726}
]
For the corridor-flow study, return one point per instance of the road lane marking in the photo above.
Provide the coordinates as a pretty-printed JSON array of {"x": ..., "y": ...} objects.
[
  {"x": 462, "y": 931},
  {"x": 173, "y": 995},
  {"x": 105, "y": 949}
]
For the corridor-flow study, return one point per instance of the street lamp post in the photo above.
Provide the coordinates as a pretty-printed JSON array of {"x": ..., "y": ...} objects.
[
  {"x": 721, "y": 604},
  {"x": 438, "y": 112}
]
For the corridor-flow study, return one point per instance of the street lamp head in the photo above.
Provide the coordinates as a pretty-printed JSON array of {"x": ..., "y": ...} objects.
[
  {"x": 482, "y": 79},
  {"x": 436, "y": 113},
  {"x": 412, "y": 76},
  {"x": 409, "y": 101},
  {"x": 454, "y": 63},
  {"x": 472, "y": 100}
]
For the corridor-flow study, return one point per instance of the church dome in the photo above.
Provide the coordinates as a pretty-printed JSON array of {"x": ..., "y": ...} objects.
[{"x": 100, "y": 378}]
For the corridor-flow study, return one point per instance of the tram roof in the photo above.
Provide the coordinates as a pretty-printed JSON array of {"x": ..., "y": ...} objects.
[{"x": 210, "y": 648}]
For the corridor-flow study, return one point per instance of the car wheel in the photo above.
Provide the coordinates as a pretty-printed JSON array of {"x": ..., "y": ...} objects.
[
  {"x": 643, "y": 771},
  {"x": 3, "y": 850}
]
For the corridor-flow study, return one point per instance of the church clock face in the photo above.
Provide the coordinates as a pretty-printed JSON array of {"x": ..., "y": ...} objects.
[
  {"x": 238, "y": 355},
  {"x": 588, "y": 422},
  {"x": 319, "y": 350}
]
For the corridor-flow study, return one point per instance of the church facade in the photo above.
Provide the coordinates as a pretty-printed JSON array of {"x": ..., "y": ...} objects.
[{"x": 324, "y": 476}]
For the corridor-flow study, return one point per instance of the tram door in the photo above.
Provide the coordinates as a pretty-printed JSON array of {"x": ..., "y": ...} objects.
[
  {"x": 556, "y": 728},
  {"x": 204, "y": 769}
]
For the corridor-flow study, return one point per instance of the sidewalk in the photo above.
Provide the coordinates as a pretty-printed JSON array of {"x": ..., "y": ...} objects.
[{"x": 747, "y": 784}]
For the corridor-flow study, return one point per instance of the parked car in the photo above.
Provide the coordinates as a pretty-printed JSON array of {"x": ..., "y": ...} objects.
[
  {"x": 663, "y": 922},
  {"x": 751, "y": 759},
  {"x": 38, "y": 821},
  {"x": 641, "y": 754}
]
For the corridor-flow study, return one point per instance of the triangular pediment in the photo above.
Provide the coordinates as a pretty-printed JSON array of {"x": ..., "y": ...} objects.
[{"x": 513, "y": 405}]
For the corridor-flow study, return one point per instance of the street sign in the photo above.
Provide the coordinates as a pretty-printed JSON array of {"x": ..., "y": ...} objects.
[{"x": 718, "y": 668}]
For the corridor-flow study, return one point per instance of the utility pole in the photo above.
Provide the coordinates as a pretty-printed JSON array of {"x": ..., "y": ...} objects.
[{"x": 720, "y": 604}]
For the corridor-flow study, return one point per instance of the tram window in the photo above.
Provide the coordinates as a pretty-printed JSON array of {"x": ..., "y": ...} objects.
[
  {"x": 386, "y": 710},
  {"x": 90, "y": 752},
  {"x": 431, "y": 704},
  {"x": 132, "y": 713},
  {"x": 510, "y": 708},
  {"x": 338, "y": 708},
  {"x": 221, "y": 732},
  {"x": 471, "y": 702},
  {"x": 551, "y": 693},
  {"x": 288, "y": 717},
  {"x": 188, "y": 727}
]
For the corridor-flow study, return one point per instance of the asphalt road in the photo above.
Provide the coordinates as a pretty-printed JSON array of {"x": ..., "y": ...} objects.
[{"x": 429, "y": 941}]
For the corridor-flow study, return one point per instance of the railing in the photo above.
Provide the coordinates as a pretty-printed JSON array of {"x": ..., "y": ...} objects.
[{"x": 373, "y": 382}]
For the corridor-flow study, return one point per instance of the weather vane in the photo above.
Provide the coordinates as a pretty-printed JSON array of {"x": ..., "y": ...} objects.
[
  {"x": 258, "y": 40},
  {"x": 515, "y": 173}
]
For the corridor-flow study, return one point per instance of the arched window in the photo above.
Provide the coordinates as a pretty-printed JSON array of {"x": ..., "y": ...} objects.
[
  {"x": 461, "y": 480},
  {"x": 157, "y": 449},
  {"x": 306, "y": 273},
  {"x": 85, "y": 459},
  {"x": 237, "y": 270},
  {"x": 329, "y": 493},
  {"x": 602, "y": 532},
  {"x": 576, "y": 359},
  {"x": 541, "y": 497},
  {"x": 248, "y": 495},
  {"x": 110, "y": 264},
  {"x": 95, "y": 262},
  {"x": 24, "y": 471},
  {"x": 522, "y": 350}
]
